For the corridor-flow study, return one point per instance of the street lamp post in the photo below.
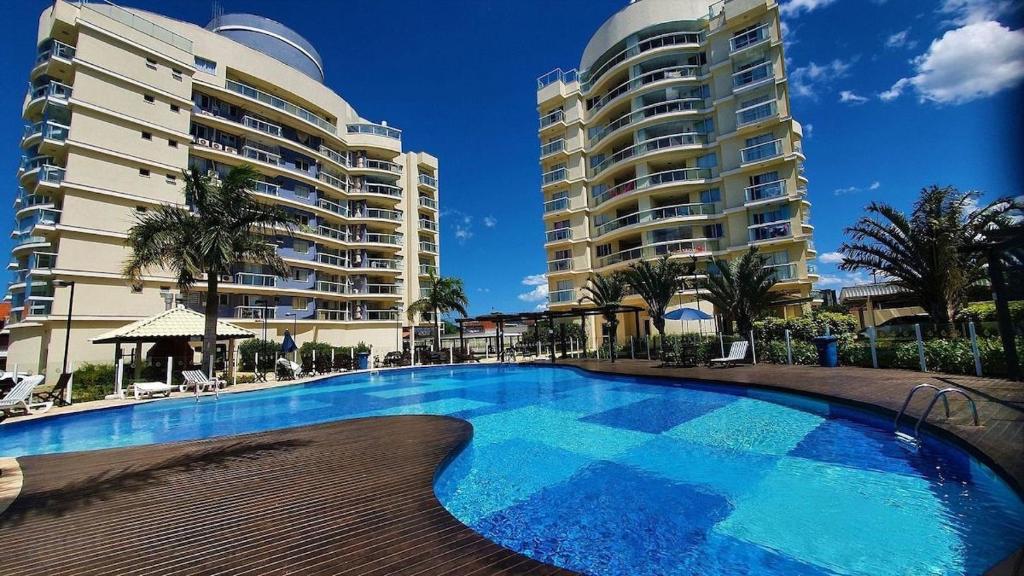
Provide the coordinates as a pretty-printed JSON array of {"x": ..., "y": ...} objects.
[{"x": 67, "y": 330}]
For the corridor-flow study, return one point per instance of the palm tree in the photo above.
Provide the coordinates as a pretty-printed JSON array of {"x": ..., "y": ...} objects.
[
  {"x": 221, "y": 225},
  {"x": 444, "y": 296},
  {"x": 927, "y": 253},
  {"x": 657, "y": 283},
  {"x": 606, "y": 292},
  {"x": 742, "y": 290}
]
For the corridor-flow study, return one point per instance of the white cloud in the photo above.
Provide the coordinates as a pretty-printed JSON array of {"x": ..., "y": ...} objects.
[
  {"x": 851, "y": 97},
  {"x": 842, "y": 279},
  {"x": 797, "y": 7},
  {"x": 807, "y": 80},
  {"x": 490, "y": 221},
  {"x": 538, "y": 294},
  {"x": 971, "y": 11},
  {"x": 463, "y": 233},
  {"x": 808, "y": 130},
  {"x": 541, "y": 307},
  {"x": 974, "y": 61},
  {"x": 900, "y": 39},
  {"x": 875, "y": 185},
  {"x": 535, "y": 280},
  {"x": 831, "y": 257}
]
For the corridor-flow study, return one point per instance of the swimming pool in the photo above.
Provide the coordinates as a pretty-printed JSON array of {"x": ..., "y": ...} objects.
[{"x": 614, "y": 475}]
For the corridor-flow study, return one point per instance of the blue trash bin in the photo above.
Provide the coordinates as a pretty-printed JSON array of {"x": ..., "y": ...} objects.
[
  {"x": 363, "y": 358},
  {"x": 828, "y": 351}
]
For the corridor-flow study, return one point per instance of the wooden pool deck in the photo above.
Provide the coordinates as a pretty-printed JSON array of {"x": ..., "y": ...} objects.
[{"x": 350, "y": 497}]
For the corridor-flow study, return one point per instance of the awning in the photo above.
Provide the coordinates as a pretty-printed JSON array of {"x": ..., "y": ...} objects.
[{"x": 177, "y": 322}]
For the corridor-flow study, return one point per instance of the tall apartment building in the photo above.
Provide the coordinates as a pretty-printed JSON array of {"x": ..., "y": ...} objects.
[
  {"x": 674, "y": 137},
  {"x": 122, "y": 101}
]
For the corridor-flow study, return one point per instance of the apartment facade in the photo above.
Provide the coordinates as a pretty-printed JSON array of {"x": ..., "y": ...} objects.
[
  {"x": 122, "y": 101},
  {"x": 674, "y": 137}
]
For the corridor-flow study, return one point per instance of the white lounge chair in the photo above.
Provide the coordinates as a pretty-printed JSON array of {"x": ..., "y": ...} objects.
[
  {"x": 150, "y": 388},
  {"x": 19, "y": 399},
  {"x": 196, "y": 380},
  {"x": 737, "y": 352},
  {"x": 290, "y": 369}
]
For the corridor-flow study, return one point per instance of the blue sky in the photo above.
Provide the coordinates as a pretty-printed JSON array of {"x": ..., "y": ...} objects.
[{"x": 891, "y": 94}]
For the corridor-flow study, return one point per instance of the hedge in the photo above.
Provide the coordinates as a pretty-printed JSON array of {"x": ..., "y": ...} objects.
[{"x": 92, "y": 382}]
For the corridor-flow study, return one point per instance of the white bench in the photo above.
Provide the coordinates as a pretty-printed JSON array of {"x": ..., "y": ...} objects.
[{"x": 151, "y": 388}]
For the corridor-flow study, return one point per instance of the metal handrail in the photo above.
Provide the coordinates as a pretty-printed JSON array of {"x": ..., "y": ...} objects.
[
  {"x": 942, "y": 393},
  {"x": 910, "y": 396}
]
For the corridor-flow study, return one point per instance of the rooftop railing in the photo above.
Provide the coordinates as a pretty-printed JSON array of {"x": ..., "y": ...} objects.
[
  {"x": 375, "y": 129},
  {"x": 557, "y": 75},
  {"x": 137, "y": 22},
  {"x": 280, "y": 104}
]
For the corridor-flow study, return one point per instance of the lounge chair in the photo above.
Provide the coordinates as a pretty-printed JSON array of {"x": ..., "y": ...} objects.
[
  {"x": 393, "y": 358},
  {"x": 58, "y": 394},
  {"x": 196, "y": 380},
  {"x": 737, "y": 352},
  {"x": 19, "y": 399},
  {"x": 464, "y": 356},
  {"x": 341, "y": 363},
  {"x": 287, "y": 370},
  {"x": 151, "y": 388}
]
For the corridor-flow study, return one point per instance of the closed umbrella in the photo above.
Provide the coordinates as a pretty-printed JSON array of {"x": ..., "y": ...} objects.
[{"x": 288, "y": 345}]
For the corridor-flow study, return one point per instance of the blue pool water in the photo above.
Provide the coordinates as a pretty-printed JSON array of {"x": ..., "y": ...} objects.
[{"x": 615, "y": 475}]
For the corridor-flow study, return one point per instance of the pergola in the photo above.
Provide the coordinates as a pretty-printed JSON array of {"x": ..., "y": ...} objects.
[
  {"x": 500, "y": 319},
  {"x": 178, "y": 325}
]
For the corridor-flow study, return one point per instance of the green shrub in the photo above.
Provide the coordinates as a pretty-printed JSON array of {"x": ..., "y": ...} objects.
[
  {"x": 806, "y": 327},
  {"x": 986, "y": 312},
  {"x": 774, "y": 352},
  {"x": 92, "y": 382},
  {"x": 267, "y": 349}
]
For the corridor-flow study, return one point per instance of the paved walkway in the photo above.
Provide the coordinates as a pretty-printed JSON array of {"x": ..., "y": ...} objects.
[{"x": 350, "y": 497}]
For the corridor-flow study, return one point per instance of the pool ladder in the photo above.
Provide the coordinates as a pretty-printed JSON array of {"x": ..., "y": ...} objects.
[{"x": 939, "y": 393}]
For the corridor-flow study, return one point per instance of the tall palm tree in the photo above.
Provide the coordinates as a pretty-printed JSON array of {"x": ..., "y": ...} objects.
[
  {"x": 926, "y": 253},
  {"x": 657, "y": 283},
  {"x": 742, "y": 290},
  {"x": 606, "y": 293},
  {"x": 221, "y": 225},
  {"x": 444, "y": 296}
]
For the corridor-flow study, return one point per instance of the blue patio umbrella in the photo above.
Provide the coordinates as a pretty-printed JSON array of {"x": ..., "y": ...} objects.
[
  {"x": 288, "y": 345},
  {"x": 687, "y": 314}
]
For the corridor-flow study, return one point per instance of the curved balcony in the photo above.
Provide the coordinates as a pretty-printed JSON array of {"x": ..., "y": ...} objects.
[
  {"x": 691, "y": 139},
  {"x": 682, "y": 175},
  {"x": 693, "y": 39},
  {"x": 670, "y": 248},
  {"x": 379, "y": 165},
  {"x": 263, "y": 126},
  {"x": 51, "y": 92},
  {"x": 668, "y": 73},
  {"x": 45, "y": 130},
  {"x": 377, "y": 189},
  {"x": 651, "y": 111},
  {"x": 760, "y": 152},
  {"x": 375, "y": 130},
  {"x": 656, "y": 214},
  {"x": 281, "y": 104},
  {"x": 381, "y": 214},
  {"x": 336, "y": 157},
  {"x": 339, "y": 209},
  {"x": 56, "y": 50},
  {"x": 378, "y": 238}
]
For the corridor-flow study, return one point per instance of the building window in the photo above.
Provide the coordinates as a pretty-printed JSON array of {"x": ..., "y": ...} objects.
[
  {"x": 176, "y": 74},
  {"x": 204, "y": 65},
  {"x": 147, "y": 135},
  {"x": 709, "y": 196},
  {"x": 172, "y": 143},
  {"x": 300, "y": 275},
  {"x": 302, "y": 165},
  {"x": 148, "y": 98},
  {"x": 300, "y": 247},
  {"x": 144, "y": 172},
  {"x": 223, "y": 300},
  {"x": 604, "y": 250},
  {"x": 175, "y": 108},
  {"x": 170, "y": 179},
  {"x": 713, "y": 231},
  {"x": 151, "y": 63}
]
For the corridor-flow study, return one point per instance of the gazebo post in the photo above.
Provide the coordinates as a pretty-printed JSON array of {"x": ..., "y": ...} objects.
[
  {"x": 137, "y": 359},
  {"x": 462, "y": 336},
  {"x": 231, "y": 360}
]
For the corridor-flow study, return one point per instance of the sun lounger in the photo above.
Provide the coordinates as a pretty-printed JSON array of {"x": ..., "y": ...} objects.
[
  {"x": 287, "y": 370},
  {"x": 58, "y": 394},
  {"x": 19, "y": 399},
  {"x": 150, "y": 388},
  {"x": 737, "y": 352},
  {"x": 195, "y": 379}
]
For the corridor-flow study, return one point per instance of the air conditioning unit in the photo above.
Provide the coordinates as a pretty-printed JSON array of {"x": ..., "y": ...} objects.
[
  {"x": 217, "y": 146},
  {"x": 202, "y": 141},
  {"x": 231, "y": 150}
]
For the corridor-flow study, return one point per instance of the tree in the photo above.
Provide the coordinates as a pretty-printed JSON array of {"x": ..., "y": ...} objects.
[
  {"x": 221, "y": 225},
  {"x": 444, "y": 296},
  {"x": 657, "y": 283},
  {"x": 742, "y": 290},
  {"x": 928, "y": 253},
  {"x": 606, "y": 293}
]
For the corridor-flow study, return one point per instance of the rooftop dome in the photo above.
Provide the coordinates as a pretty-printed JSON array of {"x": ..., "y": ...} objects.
[{"x": 271, "y": 38}]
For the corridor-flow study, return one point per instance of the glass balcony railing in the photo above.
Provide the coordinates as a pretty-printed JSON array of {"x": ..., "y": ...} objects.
[
  {"x": 333, "y": 287},
  {"x": 670, "y": 39},
  {"x": 48, "y": 129},
  {"x": 766, "y": 191},
  {"x": 552, "y": 147},
  {"x": 668, "y": 73},
  {"x": 379, "y": 189},
  {"x": 51, "y": 174},
  {"x": 56, "y": 49},
  {"x": 552, "y": 118},
  {"x": 562, "y": 296},
  {"x": 334, "y": 233},
  {"x": 756, "y": 113},
  {"x": 332, "y": 259},
  {"x": 252, "y": 279},
  {"x": 556, "y": 205},
  {"x": 428, "y": 180},
  {"x": 557, "y": 75},
  {"x": 770, "y": 231},
  {"x": 558, "y": 235},
  {"x": 336, "y": 157},
  {"x": 428, "y": 247},
  {"x": 134, "y": 21},
  {"x": 428, "y": 202},
  {"x": 388, "y": 289},
  {"x": 255, "y": 312},
  {"x": 652, "y": 145},
  {"x": 375, "y": 129},
  {"x": 752, "y": 75},
  {"x": 669, "y": 248},
  {"x": 331, "y": 179},
  {"x": 254, "y": 151},
  {"x": 428, "y": 270},
  {"x": 25, "y": 200},
  {"x": 381, "y": 214},
  {"x": 378, "y": 315},
  {"x": 655, "y": 214},
  {"x": 812, "y": 268},
  {"x": 783, "y": 272},
  {"x": 667, "y": 107},
  {"x": 261, "y": 126},
  {"x": 390, "y": 239},
  {"x": 428, "y": 225},
  {"x": 603, "y": 194},
  {"x": 384, "y": 263},
  {"x": 562, "y": 265},
  {"x": 338, "y": 209},
  {"x": 52, "y": 89},
  {"x": 30, "y": 163},
  {"x": 763, "y": 151},
  {"x": 265, "y": 188},
  {"x": 749, "y": 38},
  {"x": 378, "y": 165},
  {"x": 556, "y": 175},
  {"x": 280, "y": 104},
  {"x": 333, "y": 315}
]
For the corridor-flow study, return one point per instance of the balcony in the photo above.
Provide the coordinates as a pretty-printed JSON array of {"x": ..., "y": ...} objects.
[
  {"x": 752, "y": 76},
  {"x": 261, "y": 126},
  {"x": 562, "y": 296},
  {"x": 332, "y": 259},
  {"x": 375, "y": 130},
  {"x": 333, "y": 233},
  {"x": 382, "y": 289},
  {"x": 265, "y": 188},
  {"x": 670, "y": 39},
  {"x": 252, "y": 279},
  {"x": 336, "y": 181},
  {"x": 552, "y": 176},
  {"x": 552, "y": 147},
  {"x": 333, "y": 287},
  {"x": 556, "y": 205},
  {"x": 336, "y": 157},
  {"x": 655, "y": 214},
  {"x": 381, "y": 214},
  {"x": 770, "y": 231},
  {"x": 558, "y": 235},
  {"x": 428, "y": 225},
  {"x": 255, "y": 312},
  {"x": 377, "y": 315},
  {"x": 651, "y": 180},
  {"x": 339, "y": 209},
  {"x": 650, "y": 111},
  {"x": 376, "y": 238},
  {"x": 557, "y": 75},
  {"x": 52, "y": 90},
  {"x": 756, "y": 113},
  {"x": 766, "y": 191},
  {"x": 384, "y": 165},
  {"x": 333, "y": 315},
  {"x": 783, "y": 272},
  {"x": 377, "y": 189},
  {"x": 759, "y": 152},
  {"x": 48, "y": 130},
  {"x": 652, "y": 145},
  {"x": 428, "y": 270},
  {"x": 552, "y": 118},
  {"x": 428, "y": 180},
  {"x": 563, "y": 265},
  {"x": 384, "y": 263},
  {"x": 749, "y": 38},
  {"x": 686, "y": 247},
  {"x": 280, "y": 104},
  {"x": 261, "y": 153},
  {"x": 56, "y": 49},
  {"x": 428, "y": 202},
  {"x": 667, "y": 73},
  {"x": 428, "y": 247}
]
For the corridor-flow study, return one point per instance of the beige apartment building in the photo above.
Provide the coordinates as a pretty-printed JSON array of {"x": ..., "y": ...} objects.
[
  {"x": 674, "y": 137},
  {"x": 122, "y": 101}
]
